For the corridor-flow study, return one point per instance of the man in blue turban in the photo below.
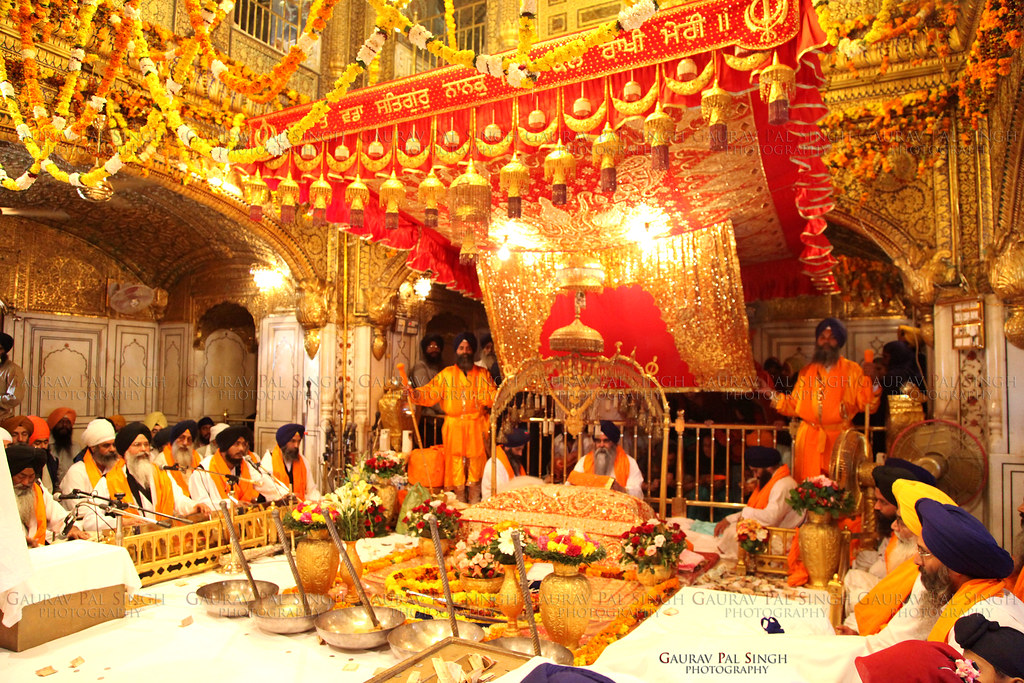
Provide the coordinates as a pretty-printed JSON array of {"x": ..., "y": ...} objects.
[
  {"x": 608, "y": 465},
  {"x": 287, "y": 464},
  {"x": 829, "y": 392}
]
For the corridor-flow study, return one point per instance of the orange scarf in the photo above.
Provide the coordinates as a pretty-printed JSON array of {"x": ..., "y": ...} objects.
[
  {"x": 163, "y": 492},
  {"x": 40, "y": 537},
  {"x": 621, "y": 465},
  {"x": 503, "y": 459},
  {"x": 117, "y": 482},
  {"x": 1018, "y": 588},
  {"x": 298, "y": 472},
  {"x": 243, "y": 491},
  {"x": 880, "y": 605},
  {"x": 179, "y": 476},
  {"x": 970, "y": 594},
  {"x": 759, "y": 499}
]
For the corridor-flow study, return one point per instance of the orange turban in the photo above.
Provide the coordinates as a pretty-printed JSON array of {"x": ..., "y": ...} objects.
[
  {"x": 59, "y": 414},
  {"x": 41, "y": 429},
  {"x": 12, "y": 423}
]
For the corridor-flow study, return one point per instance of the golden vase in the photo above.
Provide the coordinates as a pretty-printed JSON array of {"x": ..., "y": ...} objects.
[
  {"x": 655, "y": 574},
  {"x": 565, "y": 604},
  {"x": 388, "y": 493},
  {"x": 317, "y": 560},
  {"x": 485, "y": 586},
  {"x": 819, "y": 548},
  {"x": 357, "y": 565},
  {"x": 509, "y": 599}
]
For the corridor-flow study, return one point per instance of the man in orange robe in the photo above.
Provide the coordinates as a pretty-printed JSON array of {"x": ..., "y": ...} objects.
[
  {"x": 287, "y": 464},
  {"x": 509, "y": 462},
  {"x": 466, "y": 394},
  {"x": 39, "y": 511},
  {"x": 230, "y": 474},
  {"x": 608, "y": 465},
  {"x": 957, "y": 551},
  {"x": 768, "y": 504},
  {"x": 179, "y": 453},
  {"x": 829, "y": 392}
]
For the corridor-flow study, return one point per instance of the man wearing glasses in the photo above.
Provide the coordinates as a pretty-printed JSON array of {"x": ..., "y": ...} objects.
[{"x": 608, "y": 465}]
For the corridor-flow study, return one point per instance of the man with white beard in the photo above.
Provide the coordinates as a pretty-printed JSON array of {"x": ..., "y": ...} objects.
[
  {"x": 287, "y": 464},
  {"x": 39, "y": 511},
  {"x": 608, "y": 465},
  {"x": 152, "y": 488},
  {"x": 179, "y": 452},
  {"x": 99, "y": 460}
]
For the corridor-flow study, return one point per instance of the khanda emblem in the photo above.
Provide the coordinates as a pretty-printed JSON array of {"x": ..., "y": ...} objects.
[{"x": 765, "y": 16}]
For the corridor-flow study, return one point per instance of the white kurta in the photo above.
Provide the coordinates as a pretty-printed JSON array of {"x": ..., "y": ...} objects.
[
  {"x": 776, "y": 513},
  {"x": 635, "y": 483},
  {"x": 203, "y": 489},
  {"x": 868, "y": 569},
  {"x": 55, "y": 516},
  {"x": 912, "y": 622},
  {"x": 94, "y": 520},
  {"x": 1006, "y": 610},
  {"x": 312, "y": 492},
  {"x": 76, "y": 478},
  {"x": 485, "y": 481}
]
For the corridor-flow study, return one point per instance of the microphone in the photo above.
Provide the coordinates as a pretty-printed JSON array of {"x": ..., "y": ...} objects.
[
  {"x": 174, "y": 468},
  {"x": 69, "y": 522}
]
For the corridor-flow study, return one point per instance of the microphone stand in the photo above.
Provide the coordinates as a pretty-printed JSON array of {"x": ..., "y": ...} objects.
[
  {"x": 259, "y": 468},
  {"x": 118, "y": 507}
]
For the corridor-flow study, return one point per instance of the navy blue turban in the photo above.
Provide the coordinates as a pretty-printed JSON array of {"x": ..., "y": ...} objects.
[
  {"x": 467, "y": 336},
  {"x": 762, "y": 456},
  {"x": 960, "y": 542},
  {"x": 838, "y": 331},
  {"x": 286, "y": 432},
  {"x": 609, "y": 429}
]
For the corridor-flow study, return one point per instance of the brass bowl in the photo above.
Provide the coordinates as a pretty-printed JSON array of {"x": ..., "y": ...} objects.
[
  {"x": 559, "y": 654},
  {"x": 349, "y": 628},
  {"x": 285, "y": 614},
  {"x": 413, "y": 638},
  {"x": 231, "y": 598}
]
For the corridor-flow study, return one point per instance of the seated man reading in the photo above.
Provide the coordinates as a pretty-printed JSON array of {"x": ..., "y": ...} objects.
[
  {"x": 768, "y": 503},
  {"x": 608, "y": 466}
]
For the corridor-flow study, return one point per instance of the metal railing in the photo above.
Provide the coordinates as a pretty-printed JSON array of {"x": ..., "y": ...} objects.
[
  {"x": 470, "y": 20},
  {"x": 278, "y": 23}
]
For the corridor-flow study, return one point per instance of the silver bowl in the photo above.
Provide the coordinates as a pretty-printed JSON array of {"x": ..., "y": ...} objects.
[
  {"x": 413, "y": 638},
  {"x": 231, "y": 598},
  {"x": 350, "y": 628},
  {"x": 285, "y": 614},
  {"x": 559, "y": 654}
]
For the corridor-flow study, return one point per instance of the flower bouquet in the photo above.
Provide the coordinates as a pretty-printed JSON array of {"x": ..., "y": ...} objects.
[
  {"x": 447, "y": 519},
  {"x": 751, "y": 536},
  {"x": 309, "y": 516},
  {"x": 654, "y": 547},
  {"x": 822, "y": 496},
  {"x": 384, "y": 464},
  {"x": 473, "y": 558},
  {"x": 500, "y": 543},
  {"x": 565, "y": 546},
  {"x": 358, "y": 510}
]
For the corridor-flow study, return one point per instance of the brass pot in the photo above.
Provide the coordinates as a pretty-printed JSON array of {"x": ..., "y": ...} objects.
[
  {"x": 317, "y": 560},
  {"x": 427, "y": 548},
  {"x": 819, "y": 548},
  {"x": 509, "y": 599},
  {"x": 388, "y": 493},
  {"x": 472, "y": 583},
  {"x": 655, "y": 574},
  {"x": 357, "y": 565},
  {"x": 565, "y": 605}
]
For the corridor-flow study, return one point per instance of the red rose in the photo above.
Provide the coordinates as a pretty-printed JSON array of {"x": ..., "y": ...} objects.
[{"x": 573, "y": 550}]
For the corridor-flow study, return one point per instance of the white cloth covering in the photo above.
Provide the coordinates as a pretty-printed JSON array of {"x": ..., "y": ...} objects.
[
  {"x": 15, "y": 566},
  {"x": 485, "y": 480},
  {"x": 634, "y": 485},
  {"x": 776, "y": 513}
]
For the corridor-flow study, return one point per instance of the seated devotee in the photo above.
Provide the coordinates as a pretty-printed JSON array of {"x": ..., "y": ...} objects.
[
  {"x": 151, "y": 487},
  {"x": 155, "y": 421},
  {"x": 510, "y": 462},
  {"x": 768, "y": 504},
  {"x": 61, "y": 422},
  {"x": 99, "y": 459},
  {"x": 870, "y": 566},
  {"x": 118, "y": 421},
  {"x": 39, "y": 511},
  {"x": 20, "y": 428},
  {"x": 891, "y": 612},
  {"x": 40, "y": 438},
  {"x": 912, "y": 660},
  {"x": 287, "y": 465},
  {"x": 956, "y": 551},
  {"x": 997, "y": 651},
  {"x": 565, "y": 453},
  {"x": 229, "y": 474},
  {"x": 608, "y": 466},
  {"x": 203, "y": 439},
  {"x": 178, "y": 452}
]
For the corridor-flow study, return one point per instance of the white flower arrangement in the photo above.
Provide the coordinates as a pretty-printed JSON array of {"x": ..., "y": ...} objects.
[
  {"x": 307, "y": 42},
  {"x": 6, "y": 89},
  {"x": 219, "y": 154},
  {"x": 489, "y": 65},
  {"x": 115, "y": 19},
  {"x": 185, "y": 134},
  {"x": 209, "y": 17},
  {"x": 132, "y": 12},
  {"x": 114, "y": 164},
  {"x": 420, "y": 36},
  {"x": 147, "y": 66},
  {"x": 279, "y": 144},
  {"x": 58, "y": 122},
  {"x": 25, "y": 180},
  {"x": 39, "y": 112},
  {"x": 171, "y": 86},
  {"x": 217, "y": 67},
  {"x": 98, "y": 103},
  {"x": 70, "y": 135},
  {"x": 227, "y": 6},
  {"x": 634, "y": 17},
  {"x": 24, "y": 132},
  {"x": 28, "y": 52},
  {"x": 75, "y": 179}
]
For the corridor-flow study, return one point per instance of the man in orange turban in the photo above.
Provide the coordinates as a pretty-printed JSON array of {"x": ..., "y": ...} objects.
[{"x": 62, "y": 424}]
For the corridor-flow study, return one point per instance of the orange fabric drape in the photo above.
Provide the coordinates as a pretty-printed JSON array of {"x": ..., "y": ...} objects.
[
  {"x": 825, "y": 402},
  {"x": 298, "y": 472},
  {"x": 621, "y": 465},
  {"x": 117, "y": 482},
  {"x": 503, "y": 459},
  {"x": 880, "y": 605},
  {"x": 164, "y": 492},
  {"x": 243, "y": 491},
  {"x": 40, "y": 537},
  {"x": 759, "y": 499},
  {"x": 180, "y": 476},
  {"x": 1018, "y": 588},
  {"x": 970, "y": 594}
]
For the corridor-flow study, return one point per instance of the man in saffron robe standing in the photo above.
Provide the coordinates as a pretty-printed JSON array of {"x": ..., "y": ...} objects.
[{"x": 829, "y": 392}]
